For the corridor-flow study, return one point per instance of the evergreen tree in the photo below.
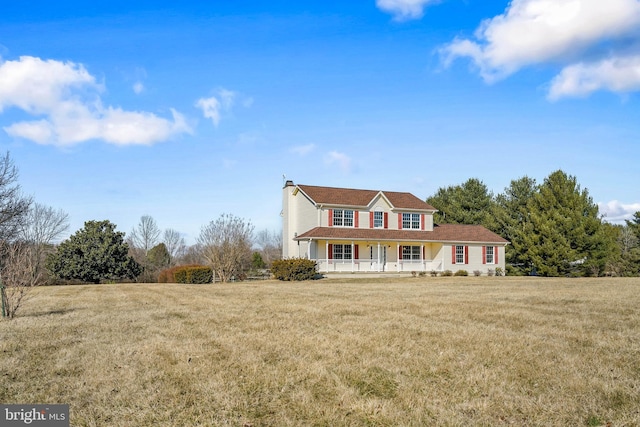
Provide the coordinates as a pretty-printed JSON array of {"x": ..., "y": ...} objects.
[
  {"x": 630, "y": 239},
  {"x": 567, "y": 236},
  {"x": 469, "y": 203},
  {"x": 94, "y": 253},
  {"x": 513, "y": 222}
]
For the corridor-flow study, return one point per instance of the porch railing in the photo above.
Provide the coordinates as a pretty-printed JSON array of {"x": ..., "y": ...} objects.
[{"x": 373, "y": 266}]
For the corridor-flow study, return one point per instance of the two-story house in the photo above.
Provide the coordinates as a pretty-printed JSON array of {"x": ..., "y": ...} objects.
[{"x": 349, "y": 230}]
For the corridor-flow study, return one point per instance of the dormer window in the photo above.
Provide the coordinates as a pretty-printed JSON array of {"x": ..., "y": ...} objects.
[
  {"x": 342, "y": 218},
  {"x": 378, "y": 219}
]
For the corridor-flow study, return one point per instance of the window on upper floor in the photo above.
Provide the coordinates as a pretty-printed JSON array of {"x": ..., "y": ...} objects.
[
  {"x": 411, "y": 221},
  {"x": 378, "y": 219},
  {"x": 342, "y": 218}
]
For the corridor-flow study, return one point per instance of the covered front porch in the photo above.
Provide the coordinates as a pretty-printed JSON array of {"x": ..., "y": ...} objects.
[{"x": 340, "y": 256}]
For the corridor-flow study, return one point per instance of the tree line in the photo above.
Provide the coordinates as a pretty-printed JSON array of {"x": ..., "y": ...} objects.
[
  {"x": 554, "y": 228},
  {"x": 30, "y": 255}
]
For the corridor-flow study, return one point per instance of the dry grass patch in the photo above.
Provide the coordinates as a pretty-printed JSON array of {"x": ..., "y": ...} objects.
[{"x": 415, "y": 351}]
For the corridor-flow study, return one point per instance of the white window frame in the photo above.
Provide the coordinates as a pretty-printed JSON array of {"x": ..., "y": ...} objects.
[
  {"x": 411, "y": 221},
  {"x": 460, "y": 254},
  {"x": 411, "y": 253},
  {"x": 341, "y": 251},
  {"x": 343, "y": 218},
  {"x": 489, "y": 257},
  {"x": 378, "y": 219}
]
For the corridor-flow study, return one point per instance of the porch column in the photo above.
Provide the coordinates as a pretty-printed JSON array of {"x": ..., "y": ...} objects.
[
  {"x": 353, "y": 256},
  {"x": 309, "y": 249},
  {"x": 378, "y": 265},
  {"x": 422, "y": 257},
  {"x": 398, "y": 254},
  {"x": 326, "y": 251}
]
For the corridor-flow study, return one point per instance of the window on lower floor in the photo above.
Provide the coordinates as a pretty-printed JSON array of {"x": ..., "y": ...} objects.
[
  {"x": 489, "y": 255},
  {"x": 411, "y": 252},
  {"x": 342, "y": 251},
  {"x": 460, "y": 254}
]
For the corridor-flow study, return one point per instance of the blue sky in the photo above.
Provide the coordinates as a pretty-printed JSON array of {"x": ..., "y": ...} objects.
[{"x": 187, "y": 110}]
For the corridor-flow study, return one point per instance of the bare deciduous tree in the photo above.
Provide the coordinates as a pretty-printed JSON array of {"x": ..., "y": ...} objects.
[
  {"x": 270, "y": 245},
  {"x": 145, "y": 235},
  {"x": 19, "y": 275},
  {"x": 42, "y": 227},
  {"x": 13, "y": 205},
  {"x": 226, "y": 245},
  {"x": 175, "y": 244}
]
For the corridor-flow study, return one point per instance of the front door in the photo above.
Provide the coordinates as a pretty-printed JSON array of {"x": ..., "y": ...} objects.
[{"x": 378, "y": 255}]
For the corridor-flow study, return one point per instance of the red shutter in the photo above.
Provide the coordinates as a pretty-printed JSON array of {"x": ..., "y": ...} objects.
[
  {"x": 386, "y": 220},
  {"x": 356, "y": 219},
  {"x": 330, "y": 251},
  {"x": 399, "y": 221},
  {"x": 466, "y": 254},
  {"x": 356, "y": 254},
  {"x": 370, "y": 219},
  {"x": 495, "y": 254},
  {"x": 453, "y": 254},
  {"x": 422, "y": 220},
  {"x": 330, "y": 217},
  {"x": 484, "y": 254},
  {"x": 399, "y": 252}
]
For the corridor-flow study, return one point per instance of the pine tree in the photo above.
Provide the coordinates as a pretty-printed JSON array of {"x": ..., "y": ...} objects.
[
  {"x": 567, "y": 236},
  {"x": 513, "y": 222}
]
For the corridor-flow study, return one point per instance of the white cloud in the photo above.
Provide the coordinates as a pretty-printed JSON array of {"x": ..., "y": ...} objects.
[
  {"x": 213, "y": 107},
  {"x": 138, "y": 87},
  {"x": 340, "y": 159},
  {"x": 403, "y": 10},
  {"x": 617, "y": 212},
  {"x": 620, "y": 74},
  {"x": 546, "y": 31},
  {"x": 303, "y": 150},
  {"x": 67, "y": 97},
  {"x": 210, "y": 109}
]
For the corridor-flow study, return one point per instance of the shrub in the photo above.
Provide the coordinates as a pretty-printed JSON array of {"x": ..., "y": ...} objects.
[
  {"x": 447, "y": 273},
  {"x": 499, "y": 271},
  {"x": 461, "y": 273},
  {"x": 422, "y": 273},
  {"x": 293, "y": 269},
  {"x": 434, "y": 273},
  {"x": 491, "y": 272},
  {"x": 193, "y": 274},
  {"x": 477, "y": 273},
  {"x": 414, "y": 274}
]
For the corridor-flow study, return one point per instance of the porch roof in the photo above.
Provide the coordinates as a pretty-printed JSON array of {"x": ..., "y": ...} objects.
[{"x": 451, "y": 233}]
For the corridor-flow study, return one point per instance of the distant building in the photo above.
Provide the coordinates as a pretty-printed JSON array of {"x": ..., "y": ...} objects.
[{"x": 349, "y": 230}]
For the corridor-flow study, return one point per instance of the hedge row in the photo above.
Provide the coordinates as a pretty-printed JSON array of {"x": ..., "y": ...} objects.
[
  {"x": 293, "y": 269},
  {"x": 186, "y": 274}
]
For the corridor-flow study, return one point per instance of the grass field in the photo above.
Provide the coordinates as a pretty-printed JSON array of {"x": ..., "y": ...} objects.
[{"x": 392, "y": 352}]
